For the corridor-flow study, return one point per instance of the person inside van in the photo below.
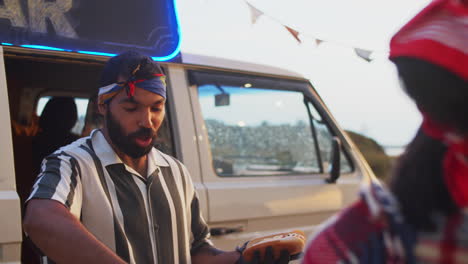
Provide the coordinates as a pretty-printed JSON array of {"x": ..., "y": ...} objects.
[
  {"x": 55, "y": 123},
  {"x": 112, "y": 197},
  {"x": 422, "y": 217}
]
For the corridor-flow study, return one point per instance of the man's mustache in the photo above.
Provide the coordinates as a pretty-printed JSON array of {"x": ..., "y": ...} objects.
[{"x": 143, "y": 132}]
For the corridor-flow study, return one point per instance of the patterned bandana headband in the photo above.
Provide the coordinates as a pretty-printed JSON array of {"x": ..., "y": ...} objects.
[
  {"x": 155, "y": 85},
  {"x": 439, "y": 35}
]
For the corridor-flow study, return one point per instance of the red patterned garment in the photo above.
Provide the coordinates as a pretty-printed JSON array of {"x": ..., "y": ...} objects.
[{"x": 372, "y": 230}]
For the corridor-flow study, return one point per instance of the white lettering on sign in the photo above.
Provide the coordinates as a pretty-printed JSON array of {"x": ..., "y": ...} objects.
[
  {"x": 39, "y": 11},
  {"x": 12, "y": 11}
]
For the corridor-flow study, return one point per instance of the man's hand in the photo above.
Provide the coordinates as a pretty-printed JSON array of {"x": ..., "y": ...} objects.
[
  {"x": 269, "y": 257},
  {"x": 208, "y": 254}
]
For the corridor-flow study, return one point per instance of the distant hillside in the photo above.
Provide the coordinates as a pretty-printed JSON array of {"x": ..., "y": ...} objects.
[{"x": 375, "y": 155}]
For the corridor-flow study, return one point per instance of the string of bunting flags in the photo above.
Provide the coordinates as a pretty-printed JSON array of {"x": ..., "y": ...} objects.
[{"x": 256, "y": 13}]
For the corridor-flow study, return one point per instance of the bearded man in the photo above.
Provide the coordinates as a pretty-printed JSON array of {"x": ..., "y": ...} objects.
[{"x": 112, "y": 197}]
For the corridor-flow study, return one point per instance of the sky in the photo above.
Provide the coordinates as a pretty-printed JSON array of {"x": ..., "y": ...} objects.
[{"x": 364, "y": 97}]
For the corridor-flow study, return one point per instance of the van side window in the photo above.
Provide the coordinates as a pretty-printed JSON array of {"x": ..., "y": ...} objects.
[
  {"x": 260, "y": 128},
  {"x": 165, "y": 141}
]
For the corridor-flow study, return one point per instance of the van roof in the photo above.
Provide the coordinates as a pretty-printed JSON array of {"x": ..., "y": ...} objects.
[
  {"x": 217, "y": 62},
  {"x": 196, "y": 60}
]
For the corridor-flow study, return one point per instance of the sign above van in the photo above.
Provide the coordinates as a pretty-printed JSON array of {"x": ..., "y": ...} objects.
[{"x": 103, "y": 27}]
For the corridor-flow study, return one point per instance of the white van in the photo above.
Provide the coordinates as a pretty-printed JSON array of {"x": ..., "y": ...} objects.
[{"x": 263, "y": 150}]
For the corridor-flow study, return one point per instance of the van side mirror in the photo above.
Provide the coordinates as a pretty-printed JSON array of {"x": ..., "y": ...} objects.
[
  {"x": 222, "y": 99},
  {"x": 335, "y": 160}
]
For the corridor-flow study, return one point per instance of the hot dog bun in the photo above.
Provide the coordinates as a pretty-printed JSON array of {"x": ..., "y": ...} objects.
[{"x": 293, "y": 241}]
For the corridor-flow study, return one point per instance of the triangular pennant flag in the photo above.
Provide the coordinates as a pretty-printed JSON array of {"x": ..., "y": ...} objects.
[
  {"x": 318, "y": 42},
  {"x": 293, "y": 32},
  {"x": 364, "y": 54},
  {"x": 254, "y": 13}
]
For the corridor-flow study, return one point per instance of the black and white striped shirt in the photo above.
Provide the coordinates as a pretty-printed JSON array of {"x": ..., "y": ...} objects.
[{"x": 153, "y": 219}]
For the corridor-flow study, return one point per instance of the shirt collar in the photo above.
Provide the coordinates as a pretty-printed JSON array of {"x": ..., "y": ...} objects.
[{"x": 107, "y": 155}]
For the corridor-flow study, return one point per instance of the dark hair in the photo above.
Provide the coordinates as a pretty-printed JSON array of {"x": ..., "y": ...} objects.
[
  {"x": 59, "y": 115},
  {"x": 125, "y": 64},
  {"x": 443, "y": 95},
  {"x": 417, "y": 179},
  {"x": 418, "y": 182}
]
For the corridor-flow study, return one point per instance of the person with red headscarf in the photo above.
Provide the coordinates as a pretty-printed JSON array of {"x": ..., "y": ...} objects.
[{"x": 422, "y": 216}]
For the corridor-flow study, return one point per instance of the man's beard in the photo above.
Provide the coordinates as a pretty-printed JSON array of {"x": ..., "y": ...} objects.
[{"x": 126, "y": 143}]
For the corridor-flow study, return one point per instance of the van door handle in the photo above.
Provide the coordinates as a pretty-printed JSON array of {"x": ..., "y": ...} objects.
[{"x": 219, "y": 231}]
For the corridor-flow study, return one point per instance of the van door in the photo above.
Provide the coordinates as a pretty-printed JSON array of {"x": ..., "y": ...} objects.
[
  {"x": 265, "y": 153},
  {"x": 10, "y": 216}
]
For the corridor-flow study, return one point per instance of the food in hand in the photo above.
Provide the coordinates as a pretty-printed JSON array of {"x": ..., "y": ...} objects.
[{"x": 293, "y": 242}]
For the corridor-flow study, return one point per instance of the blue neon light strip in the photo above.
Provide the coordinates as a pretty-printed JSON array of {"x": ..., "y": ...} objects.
[
  {"x": 43, "y": 47},
  {"x": 177, "y": 49},
  {"x": 164, "y": 58},
  {"x": 96, "y": 53}
]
